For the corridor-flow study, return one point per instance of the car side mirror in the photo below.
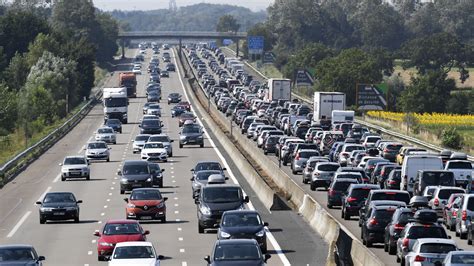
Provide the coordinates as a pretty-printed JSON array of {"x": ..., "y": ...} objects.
[
  {"x": 140, "y": 125},
  {"x": 267, "y": 257},
  {"x": 224, "y": 169},
  {"x": 119, "y": 172},
  {"x": 226, "y": 178},
  {"x": 165, "y": 198},
  {"x": 126, "y": 200},
  {"x": 38, "y": 202},
  {"x": 41, "y": 258},
  {"x": 208, "y": 259},
  {"x": 146, "y": 232},
  {"x": 79, "y": 201},
  {"x": 192, "y": 170},
  {"x": 172, "y": 140},
  {"x": 449, "y": 237},
  {"x": 265, "y": 224},
  {"x": 246, "y": 199},
  {"x": 160, "y": 257},
  {"x": 196, "y": 201},
  {"x": 96, "y": 233},
  {"x": 162, "y": 170}
]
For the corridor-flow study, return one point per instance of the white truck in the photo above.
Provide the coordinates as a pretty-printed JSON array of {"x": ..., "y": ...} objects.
[
  {"x": 413, "y": 163},
  {"x": 339, "y": 116},
  {"x": 462, "y": 170},
  {"x": 278, "y": 89},
  {"x": 116, "y": 104},
  {"x": 324, "y": 103}
]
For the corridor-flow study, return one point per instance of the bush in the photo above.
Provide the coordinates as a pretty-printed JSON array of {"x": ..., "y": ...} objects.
[
  {"x": 412, "y": 122},
  {"x": 451, "y": 138}
]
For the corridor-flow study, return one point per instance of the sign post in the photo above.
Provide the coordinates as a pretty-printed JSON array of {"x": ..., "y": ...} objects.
[
  {"x": 255, "y": 45},
  {"x": 371, "y": 97}
]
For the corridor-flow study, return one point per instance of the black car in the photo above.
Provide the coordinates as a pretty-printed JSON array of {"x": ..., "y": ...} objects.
[
  {"x": 237, "y": 252},
  {"x": 170, "y": 67},
  {"x": 394, "y": 179},
  {"x": 164, "y": 74},
  {"x": 157, "y": 174},
  {"x": 355, "y": 197},
  {"x": 373, "y": 228},
  {"x": 191, "y": 134},
  {"x": 270, "y": 144},
  {"x": 135, "y": 174},
  {"x": 59, "y": 206},
  {"x": 174, "y": 98},
  {"x": 244, "y": 224},
  {"x": 20, "y": 255},
  {"x": 392, "y": 232},
  {"x": 177, "y": 110},
  {"x": 114, "y": 123},
  {"x": 152, "y": 126},
  {"x": 154, "y": 96},
  {"x": 337, "y": 188}
]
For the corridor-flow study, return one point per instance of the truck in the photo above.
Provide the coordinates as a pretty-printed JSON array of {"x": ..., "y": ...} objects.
[
  {"x": 339, "y": 116},
  {"x": 278, "y": 89},
  {"x": 412, "y": 164},
  {"x": 116, "y": 104},
  {"x": 129, "y": 81},
  {"x": 462, "y": 170},
  {"x": 326, "y": 102}
]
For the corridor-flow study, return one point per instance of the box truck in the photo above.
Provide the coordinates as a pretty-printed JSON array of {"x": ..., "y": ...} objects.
[
  {"x": 129, "y": 80},
  {"x": 278, "y": 89},
  {"x": 326, "y": 102},
  {"x": 116, "y": 104}
]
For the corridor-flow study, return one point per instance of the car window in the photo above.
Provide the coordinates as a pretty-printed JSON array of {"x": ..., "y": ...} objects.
[
  {"x": 328, "y": 167},
  {"x": 242, "y": 219},
  {"x": 222, "y": 194},
  {"x": 360, "y": 193},
  {"x": 236, "y": 252},
  {"x": 105, "y": 130},
  {"x": 384, "y": 215},
  {"x": 341, "y": 186},
  {"x": 470, "y": 204},
  {"x": 446, "y": 193},
  {"x": 405, "y": 216},
  {"x": 134, "y": 252},
  {"x": 16, "y": 254},
  {"x": 460, "y": 165},
  {"x": 437, "y": 248},
  {"x": 146, "y": 195},
  {"x": 74, "y": 160},
  {"x": 59, "y": 197},
  {"x": 122, "y": 229},
  {"x": 191, "y": 129},
  {"x": 467, "y": 259},
  {"x": 438, "y": 178},
  {"x": 151, "y": 122},
  {"x": 97, "y": 145},
  {"x": 417, "y": 232},
  {"x": 391, "y": 196},
  {"x": 135, "y": 169},
  {"x": 208, "y": 166},
  {"x": 142, "y": 138}
]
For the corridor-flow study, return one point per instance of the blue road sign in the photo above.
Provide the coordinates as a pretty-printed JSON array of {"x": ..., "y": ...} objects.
[{"x": 255, "y": 44}]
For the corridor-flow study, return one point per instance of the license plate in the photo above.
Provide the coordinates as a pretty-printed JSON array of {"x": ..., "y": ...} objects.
[
  {"x": 146, "y": 217},
  {"x": 58, "y": 213},
  {"x": 136, "y": 185},
  {"x": 75, "y": 173},
  {"x": 191, "y": 141}
]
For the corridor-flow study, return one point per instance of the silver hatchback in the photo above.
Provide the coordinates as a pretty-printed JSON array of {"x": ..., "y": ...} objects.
[{"x": 323, "y": 174}]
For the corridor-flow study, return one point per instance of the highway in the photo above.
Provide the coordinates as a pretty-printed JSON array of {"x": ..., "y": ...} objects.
[{"x": 291, "y": 240}]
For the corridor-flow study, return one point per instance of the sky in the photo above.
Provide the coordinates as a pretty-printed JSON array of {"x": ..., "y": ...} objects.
[{"x": 109, "y": 5}]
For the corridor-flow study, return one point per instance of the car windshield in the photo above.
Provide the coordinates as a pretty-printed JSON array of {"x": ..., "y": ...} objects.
[
  {"x": 105, "y": 131},
  {"x": 187, "y": 116},
  {"x": 142, "y": 138},
  {"x": 463, "y": 259},
  {"x": 154, "y": 107},
  {"x": 437, "y": 248},
  {"x": 159, "y": 139},
  {"x": 438, "y": 178},
  {"x": 208, "y": 166},
  {"x": 122, "y": 229},
  {"x": 17, "y": 254},
  {"x": 328, "y": 167},
  {"x": 157, "y": 145},
  {"x": 113, "y": 122},
  {"x": 342, "y": 186},
  {"x": 221, "y": 194},
  {"x": 151, "y": 122},
  {"x": 446, "y": 193},
  {"x": 135, "y": 169},
  {"x": 147, "y": 194},
  {"x": 391, "y": 196},
  {"x": 74, "y": 160},
  {"x": 134, "y": 252},
  {"x": 204, "y": 175},
  {"x": 97, "y": 145},
  {"x": 59, "y": 197},
  {"x": 236, "y": 252},
  {"x": 241, "y": 219},
  {"x": 191, "y": 129},
  {"x": 417, "y": 232}
]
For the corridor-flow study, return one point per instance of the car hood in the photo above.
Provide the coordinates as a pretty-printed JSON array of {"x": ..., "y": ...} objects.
[
  {"x": 233, "y": 230},
  {"x": 156, "y": 150},
  {"x": 105, "y": 135},
  {"x": 145, "y": 202},
  {"x": 139, "y": 142},
  {"x": 96, "y": 150},
  {"x": 19, "y": 263},
  {"x": 114, "y": 239},
  {"x": 224, "y": 206},
  {"x": 135, "y": 262},
  {"x": 238, "y": 263},
  {"x": 73, "y": 166},
  {"x": 191, "y": 134},
  {"x": 151, "y": 126},
  {"x": 59, "y": 204},
  {"x": 137, "y": 177}
]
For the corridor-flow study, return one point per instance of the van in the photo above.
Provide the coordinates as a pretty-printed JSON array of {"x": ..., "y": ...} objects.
[
  {"x": 426, "y": 178},
  {"x": 413, "y": 163}
]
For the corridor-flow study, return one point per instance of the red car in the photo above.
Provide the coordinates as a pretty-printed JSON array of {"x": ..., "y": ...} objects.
[
  {"x": 187, "y": 105},
  {"x": 146, "y": 204},
  {"x": 116, "y": 231}
]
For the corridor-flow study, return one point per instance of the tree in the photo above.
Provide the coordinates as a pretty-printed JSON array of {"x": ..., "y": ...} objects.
[
  {"x": 8, "y": 109},
  {"x": 342, "y": 72},
  {"x": 42, "y": 43},
  {"x": 227, "y": 23},
  {"x": 107, "y": 39},
  {"x": 439, "y": 52},
  {"x": 424, "y": 22},
  {"x": 428, "y": 93},
  {"x": 307, "y": 58},
  {"x": 458, "y": 103},
  {"x": 261, "y": 29},
  {"x": 16, "y": 73}
]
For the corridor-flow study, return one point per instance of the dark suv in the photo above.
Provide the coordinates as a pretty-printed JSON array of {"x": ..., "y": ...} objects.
[
  {"x": 191, "y": 134},
  {"x": 374, "y": 226},
  {"x": 399, "y": 219},
  {"x": 336, "y": 189},
  {"x": 135, "y": 174},
  {"x": 355, "y": 197}
]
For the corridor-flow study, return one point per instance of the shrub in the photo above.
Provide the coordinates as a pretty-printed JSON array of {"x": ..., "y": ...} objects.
[{"x": 451, "y": 138}]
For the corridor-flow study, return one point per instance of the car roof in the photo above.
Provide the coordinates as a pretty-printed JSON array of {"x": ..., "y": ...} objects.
[
  {"x": 387, "y": 202},
  {"x": 133, "y": 243},
  {"x": 121, "y": 221},
  {"x": 221, "y": 185},
  {"x": 348, "y": 180},
  {"x": 374, "y": 186},
  {"x": 436, "y": 240},
  {"x": 16, "y": 246},
  {"x": 75, "y": 156},
  {"x": 240, "y": 212},
  {"x": 105, "y": 127},
  {"x": 129, "y": 162},
  {"x": 236, "y": 241}
]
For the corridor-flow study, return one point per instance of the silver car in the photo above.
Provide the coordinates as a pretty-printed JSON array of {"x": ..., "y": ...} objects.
[
  {"x": 200, "y": 179},
  {"x": 323, "y": 174},
  {"x": 459, "y": 258},
  {"x": 165, "y": 140},
  {"x": 430, "y": 251},
  {"x": 97, "y": 150},
  {"x": 299, "y": 162},
  {"x": 252, "y": 129},
  {"x": 75, "y": 167},
  {"x": 106, "y": 134},
  {"x": 139, "y": 141},
  {"x": 310, "y": 164}
]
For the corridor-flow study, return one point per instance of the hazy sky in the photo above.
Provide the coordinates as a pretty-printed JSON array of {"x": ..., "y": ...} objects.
[{"x": 255, "y": 5}]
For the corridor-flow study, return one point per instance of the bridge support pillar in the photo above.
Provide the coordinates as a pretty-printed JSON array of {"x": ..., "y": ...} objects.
[
  {"x": 122, "y": 44},
  {"x": 237, "y": 49}
]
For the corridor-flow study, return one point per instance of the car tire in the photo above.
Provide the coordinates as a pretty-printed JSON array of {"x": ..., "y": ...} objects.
[
  {"x": 180, "y": 146},
  {"x": 346, "y": 216},
  {"x": 201, "y": 145},
  {"x": 88, "y": 177},
  {"x": 312, "y": 187},
  {"x": 385, "y": 246},
  {"x": 293, "y": 172},
  {"x": 391, "y": 249},
  {"x": 329, "y": 206},
  {"x": 122, "y": 191},
  {"x": 160, "y": 184},
  {"x": 100, "y": 258},
  {"x": 200, "y": 229},
  {"x": 115, "y": 142},
  {"x": 398, "y": 259},
  {"x": 42, "y": 221},
  {"x": 63, "y": 178},
  {"x": 76, "y": 220},
  {"x": 265, "y": 152},
  {"x": 163, "y": 220},
  {"x": 463, "y": 235},
  {"x": 108, "y": 159},
  {"x": 469, "y": 239},
  {"x": 171, "y": 155}
]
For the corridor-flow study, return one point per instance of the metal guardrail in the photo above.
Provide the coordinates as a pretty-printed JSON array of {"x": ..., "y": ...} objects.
[
  {"x": 371, "y": 126},
  {"x": 24, "y": 158}
]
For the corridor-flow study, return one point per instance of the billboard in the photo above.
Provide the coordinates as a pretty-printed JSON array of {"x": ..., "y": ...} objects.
[
  {"x": 303, "y": 78},
  {"x": 371, "y": 97},
  {"x": 255, "y": 44}
]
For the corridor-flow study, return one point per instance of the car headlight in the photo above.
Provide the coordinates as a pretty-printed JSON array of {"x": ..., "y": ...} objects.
[
  {"x": 200, "y": 137},
  {"x": 205, "y": 210},
  {"x": 85, "y": 169},
  {"x": 182, "y": 137},
  {"x": 160, "y": 205},
  {"x": 130, "y": 205},
  {"x": 124, "y": 181},
  {"x": 224, "y": 234},
  {"x": 260, "y": 233},
  {"x": 148, "y": 179},
  {"x": 71, "y": 208},
  {"x": 106, "y": 244}
]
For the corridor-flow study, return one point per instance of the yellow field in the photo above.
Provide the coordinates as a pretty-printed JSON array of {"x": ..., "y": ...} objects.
[{"x": 426, "y": 119}]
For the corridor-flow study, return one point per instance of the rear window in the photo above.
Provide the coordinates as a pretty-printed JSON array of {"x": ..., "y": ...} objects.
[
  {"x": 426, "y": 232},
  {"x": 307, "y": 154},
  {"x": 328, "y": 167},
  {"x": 354, "y": 148},
  {"x": 372, "y": 139},
  {"x": 397, "y": 175},
  {"x": 384, "y": 214},
  {"x": 342, "y": 186},
  {"x": 393, "y": 147},
  {"x": 460, "y": 165},
  {"x": 467, "y": 259},
  {"x": 446, "y": 193},
  {"x": 391, "y": 196},
  {"x": 360, "y": 193},
  {"x": 404, "y": 217},
  {"x": 438, "y": 178},
  {"x": 470, "y": 204},
  {"x": 437, "y": 248}
]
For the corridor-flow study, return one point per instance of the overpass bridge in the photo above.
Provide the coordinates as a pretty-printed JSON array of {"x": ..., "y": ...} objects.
[{"x": 180, "y": 35}]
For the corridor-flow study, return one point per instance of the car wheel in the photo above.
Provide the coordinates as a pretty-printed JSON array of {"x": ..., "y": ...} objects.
[
  {"x": 171, "y": 155},
  {"x": 346, "y": 216},
  {"x": 202, "y": 145},
  {"x": 264, "y": 248},
  {"x": 265, "y": 152},
  {"x": 391, "y": 249},
  {"x": 163, "y": 220},
  {"x": 100, "y": 258},
  {"x": 88, "y": 177},
  {"x": 398, "y": 259},
  {"x": 463, "y": 235},
  {"x": 402, "y": 262},
  {"x": 115, "y": 142},
  {"x": 161, "y": 184},
  {"x": 469, "y": 239},
  {"x": 63, "y": 178},
  {"x": 180, "y": 145},
  {"x": 457, "y": 233},
  {"x": 329, "y": 205},
  {"x": 200, "y": 229},
  {"x": 312, "y": 187},
  {"x": 122, "y": 191},
  {"x": 108, "y": 159},
  {"x": 294, "y": 172},
  {"x": 42, "y": 221},
  {"x": 385, "y": 246},
  {"x": 76, "y": 220}
]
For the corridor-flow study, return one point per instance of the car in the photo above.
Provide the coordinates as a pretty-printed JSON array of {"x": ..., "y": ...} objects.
[
  {"x": 464, "y": 213},
  {"x": 374, "y": 224},
  {"x": 394, "y": 179},
  {"x": 309, "y": 167},
  {"x": 106, "y": 134},
  {"x": 336, "y": 189},
  {"x": 59, "y": 206},
  {"x": 450, "y": 211},
  {"x": 322, "y": 174},
  {"x": 174, "y": 97},
  {"x": 201, "y": 179},
  {"x": 164, "y": 74},
  {"x": 301, "y": 156},
  {"x": 97, "y": 150},
  {"x": 154, "y": 109},
  {"x": 243, "y": 224},
  {"x": 441, "y": 196},
  {"x": 352, "y": 169},
  {"x": 139, "y": 141},
  {"x": 145, "y": 107},
  {"x": 392, "y": 231},
  {"x": 170, "y": 67},
  {"x": 135, "y": 174},
  {"x": 152, "y": 126},
  {"x": 177, "y": 110},
  {"x": 431, "y": 251},
  {"x": 146, "y": 204},
  {"x": 459, "y": 258},
  {"x": 154, "y": 151},
  {"x": 153, "y": 97},
  {"x": 137, "y": 70},
  {"x": 237, "y": 252},
  {"x": 213, "y": 200},
  {"x": 20, "y": 255},
  {"x": 75, "y": 167},
  {"x": 114, "y": 123},
  {"x": 157, "y": 174},
  {"x": 191, "y": 134},
  {"x": 117, "y": 231},
  {"x": 185, "y": 117},
  {"x": 354, "y": 199},
  {"x": 186, "y": 105},
  {"x": 135, "y": 253},
  {"x": 165, "y": 139}
]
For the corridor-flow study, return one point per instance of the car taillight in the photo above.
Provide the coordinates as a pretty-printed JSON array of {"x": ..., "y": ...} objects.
[
  {"x": 398, "y": 226},
  {"x": 371, "y": 166},
  {"x": 345, "y": 154},
  {"x": 385, "y": 150},
  {"x": 373, "y": 221},
  {"x": 382, "y": 173},
  {"x": 464, "y": 215},
  {"x": 297, "y": 157},
  {"x": 351, "y": 199},
  {"x": 455, "y": 213},
  {"x": 392, "y": 182},
  {"x": 331, "y": 192},
  {"x": 436, "y": 202},
  {"x": 405, "y": 242},
  {"x": 419, "y": 258}
]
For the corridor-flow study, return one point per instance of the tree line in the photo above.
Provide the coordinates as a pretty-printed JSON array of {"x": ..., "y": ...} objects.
[
  {"x": 48, "y": 55},
  {"x": 345, "y": 42}
]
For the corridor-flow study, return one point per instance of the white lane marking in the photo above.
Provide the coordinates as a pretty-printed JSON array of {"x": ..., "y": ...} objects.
[
  {"x": 172, "y": 168},
  {"x": 180, "y": 239},
  {"x": 94, "y": 241},
  {"x": 42, "y": 195},
  {"x": 176, "y": 212},
  {"x": 17, "y": 226},
  {"x": 181, "y": 250},
  {"x": 184, "y": 263},
  {"x": 82, "y": 149},
  {"x": 110, "y": 194},
  {"x": 180, "y": 229},
  {"x": 99, "y": 222},
  {"x": 174, "y": 181},
  {"x": 113, "y": 183},
  {"x": 56, "y": 179},
  {"x": 176, "y": 205},
  {"x": 270, "y": 236},
  {"x": 102, "y": 214},
  {"x": 89, "y": 252},
  {"x": 86, "y": 264},
  {"x": 112, "y": 188},
  {"x": 172, "y": 172},
  {"x": 172, "y": 176},
  {"x": 175, "y": 198},
  {"x": 108, "y": 199},
  {"x": 105, "y": 206}
]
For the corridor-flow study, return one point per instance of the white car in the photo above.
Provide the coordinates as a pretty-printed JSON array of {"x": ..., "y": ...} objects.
[
  {"x": 429, "y": 251},
  {"x": 152, "y": 151},
  {"x": 134, "y": 253},
  {"x": 139, "y": 141},
  {"x": 106, "y": 134},
  {"x": 165, "y": 140},
  {"x": 75, "y": 167},
  {"x": 97, "y": 150},
  {"x": 137, "y": 71}
]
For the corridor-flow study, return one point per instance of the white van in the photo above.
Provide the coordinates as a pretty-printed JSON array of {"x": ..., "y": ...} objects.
[
  {"x": 339, "y": 116},
  {"x": 413, "y": 163}
]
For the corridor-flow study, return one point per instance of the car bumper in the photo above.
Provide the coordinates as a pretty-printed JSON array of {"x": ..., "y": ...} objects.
[
  {"x": 151, "y": 214},
  {"x": 191, "y": 141},
  {"x": 376, "y": 236},
  {"x": 58, "y": 215},
  {"x": 161, "y": 157},
  {"x": 131, "y": 185},
  {"x": 321, "y": 182},
  {"x": 209, "y": 221},
  {"x": 75, "y": 174},
  {"x": 352, "y": 210},
  {"x": 97, "y": 156}
]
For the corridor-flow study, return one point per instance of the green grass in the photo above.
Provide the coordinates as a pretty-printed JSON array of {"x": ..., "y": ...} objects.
[{"x": 269, "y": 70}]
